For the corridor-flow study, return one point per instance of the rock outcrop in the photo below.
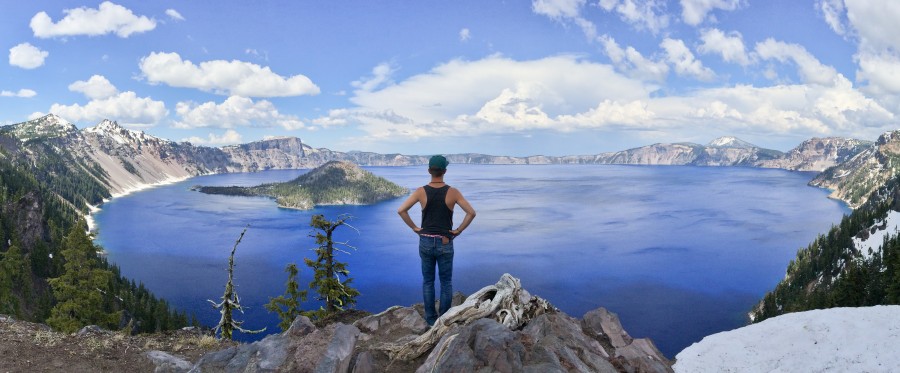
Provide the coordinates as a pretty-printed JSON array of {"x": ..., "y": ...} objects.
[
  {"x": 501, "y": 328},
  {"x": 855, "y": 179},
  {"x": 818, "y": 154}
]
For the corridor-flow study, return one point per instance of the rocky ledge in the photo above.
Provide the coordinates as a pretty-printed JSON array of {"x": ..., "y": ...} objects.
[{"x": 500, "y": 328}]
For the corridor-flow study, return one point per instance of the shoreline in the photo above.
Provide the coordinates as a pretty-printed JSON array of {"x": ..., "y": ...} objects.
[{"x": 93, "y": 209}]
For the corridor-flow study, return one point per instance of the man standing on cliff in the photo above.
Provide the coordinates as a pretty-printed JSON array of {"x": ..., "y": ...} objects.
[{"x": 436, "y": 234}]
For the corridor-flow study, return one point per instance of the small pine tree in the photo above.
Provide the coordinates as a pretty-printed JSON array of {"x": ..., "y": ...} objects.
[
  {"x": 287, "y": 306},
  {"x": 231, "y": 302},
  {"x": 326, "y": 281},
  {"x": 80, "y": 289}
]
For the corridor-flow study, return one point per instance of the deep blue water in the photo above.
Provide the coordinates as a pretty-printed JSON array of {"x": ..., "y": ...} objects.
[{"x": 678, "y": 252}]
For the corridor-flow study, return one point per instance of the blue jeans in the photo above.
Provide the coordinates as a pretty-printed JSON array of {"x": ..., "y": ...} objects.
[{"x": 434, "y": 253}]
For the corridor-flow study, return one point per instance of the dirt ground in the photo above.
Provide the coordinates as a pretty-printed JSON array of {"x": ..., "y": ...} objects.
[{"x": 30, "y": 347}]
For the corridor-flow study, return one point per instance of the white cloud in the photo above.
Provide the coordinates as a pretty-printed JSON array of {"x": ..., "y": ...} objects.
[
  {"x": 876, "y": 23},
  {"x": 27, "y": 56},
  {"x": 881, "y": 71},
  {"x": 730, "y": 47},
  {"x": 832, "y": 11},
  {"x": 642, "y": 14},
  {"x": 23, "y": 93},
  {"x": 497, "y": 95},
  {"x": 563, "y": 11},
  {"x": 684, "y": 62},
  {"x": 809, "y": 67},
  {"x": 693, "y": 12},
  {"x": 381, "y": 75},
  {"x": 97, "y": 87},
  {"x": 108, "y": 18},
  {"x": 173, "y": 14},
  {"x": 230, "y": 137},
  {"x": 223, "y": 77},
  {"x": 124, "y": 107},
  {"x": 465, "y": 35},
  {"x": 632, "y": 62},
  {"x": 235, "y": 111}
]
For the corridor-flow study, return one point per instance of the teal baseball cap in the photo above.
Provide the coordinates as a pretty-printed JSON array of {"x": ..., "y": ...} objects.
[{"x": 438, "y": 162}]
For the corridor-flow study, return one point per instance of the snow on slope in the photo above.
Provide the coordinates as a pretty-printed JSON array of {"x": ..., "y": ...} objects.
[
  {"x": 890, "y": 225},
  {"x": 864, "y": 339}
]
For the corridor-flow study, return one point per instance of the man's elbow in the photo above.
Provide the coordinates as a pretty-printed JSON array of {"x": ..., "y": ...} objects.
[{"x": 473, "y": 213}]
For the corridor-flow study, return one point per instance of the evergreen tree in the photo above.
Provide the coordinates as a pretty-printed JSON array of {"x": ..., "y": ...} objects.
[
  {"x": 326, "y": 281},
  {"x": 231, "y": 302},
  {"x": 80, "y": 289},
  {"x": 287, "y": 306},
  {"x": 15, "y": 273}
]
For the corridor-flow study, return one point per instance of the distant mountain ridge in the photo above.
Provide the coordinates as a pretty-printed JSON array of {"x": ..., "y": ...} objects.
[{"x": 129, "y": 160}]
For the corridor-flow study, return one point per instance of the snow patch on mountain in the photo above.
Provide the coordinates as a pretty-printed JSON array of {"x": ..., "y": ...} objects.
[
  {"x": 861, "y": 339},
  {"x": 877, "y": 232},
  {"x": 730, "y": 142}
]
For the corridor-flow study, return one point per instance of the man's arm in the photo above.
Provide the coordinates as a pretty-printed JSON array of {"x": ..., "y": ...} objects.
[
  {"x": 409, "y": 203},
  {"x": 470, "y": 213}
]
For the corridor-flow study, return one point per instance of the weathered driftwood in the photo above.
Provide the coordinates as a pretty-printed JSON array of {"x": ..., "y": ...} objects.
[{"x": 506, "y": 302}]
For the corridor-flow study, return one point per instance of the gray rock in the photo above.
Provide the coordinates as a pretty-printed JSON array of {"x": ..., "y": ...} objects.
[
  {"x": 559, "y": 341},
  {"x": 393, "y": 324},
  {"x": 633, "y": 354},
  {"x": 266, "y": 355},
  {"x": 338, "y": 356},
  {"x": 482, "y": 344},
  {"x": 166, "y": 363},
  {"x": 89, "y": 330},
  {"x": 365, "y": 363}
]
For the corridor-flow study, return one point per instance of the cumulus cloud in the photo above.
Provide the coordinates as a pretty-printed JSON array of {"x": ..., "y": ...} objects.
[
  {"x": 730, "y": 46},
  {"x": 497, "y": 95},
  {"x": 381, "y": 75},
  {"x": 647, "y": 15},
  {"x": 683, "y": 61},
  {"x": 565, "y": 11},
  {"x": 108, "y": 18},
  {"x": 632, "y": 62},
  {"x": 27, "y": 56},
  {"x": 235, "y": 111},
  {"x": 465, "y": 35},
  {"x": 223, "y": 77},
  {"x": 832, "y": 11},
  {"x": 693, "y": 12},
  {"x": 808, "y": 66},
  {"x": 23, "y": 93},
  {"x": 125, "y": 107},
  {"x": 228, "y": 138},
  {"x": 97, "y": 87},
  {"x": 173, "y": 14}
]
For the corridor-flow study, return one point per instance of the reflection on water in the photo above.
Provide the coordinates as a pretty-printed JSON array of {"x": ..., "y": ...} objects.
[{"x": 677, "y": 252}]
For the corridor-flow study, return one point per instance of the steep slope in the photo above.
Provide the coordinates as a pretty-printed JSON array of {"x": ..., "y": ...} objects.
[
  {"x": 856, "y": 263},
  {"x": 818, "y": 154},
  {"x": 834, "y": 340},
  {"x": 853, "y": 180}
]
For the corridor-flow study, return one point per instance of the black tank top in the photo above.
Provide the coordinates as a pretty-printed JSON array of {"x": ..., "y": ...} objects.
[{"x": 437, "y": 218}]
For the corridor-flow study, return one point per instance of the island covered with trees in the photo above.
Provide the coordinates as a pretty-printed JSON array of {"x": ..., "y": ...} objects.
[{"x": 334, "y": 183}]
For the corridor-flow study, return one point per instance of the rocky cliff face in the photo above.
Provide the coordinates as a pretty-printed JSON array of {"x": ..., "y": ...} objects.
[
  {"x": 855, "y": 179},
  {"x": 131, "y": 160},
  {"x": 818, "y": 154}
]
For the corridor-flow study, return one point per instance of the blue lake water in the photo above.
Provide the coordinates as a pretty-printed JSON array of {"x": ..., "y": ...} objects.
[{"x": 677, "y": 252}]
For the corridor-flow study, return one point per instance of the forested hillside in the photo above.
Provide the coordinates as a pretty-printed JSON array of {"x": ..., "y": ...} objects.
[
  {"x": 50, "y": 271},
  {"x": 843, "y": 268}
]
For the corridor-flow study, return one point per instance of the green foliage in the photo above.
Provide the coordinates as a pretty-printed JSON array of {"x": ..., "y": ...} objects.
[
  {"x": 79, "y": 291},
  {"x": 15, "y": 273},
  {"x": 336, "y": 293},
  {"x": 231, "y": 302},
  {"x": 287, "y": 306}
]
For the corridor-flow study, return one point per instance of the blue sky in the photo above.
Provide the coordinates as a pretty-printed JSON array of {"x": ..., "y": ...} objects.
[{"x": 549, "y": 77}]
